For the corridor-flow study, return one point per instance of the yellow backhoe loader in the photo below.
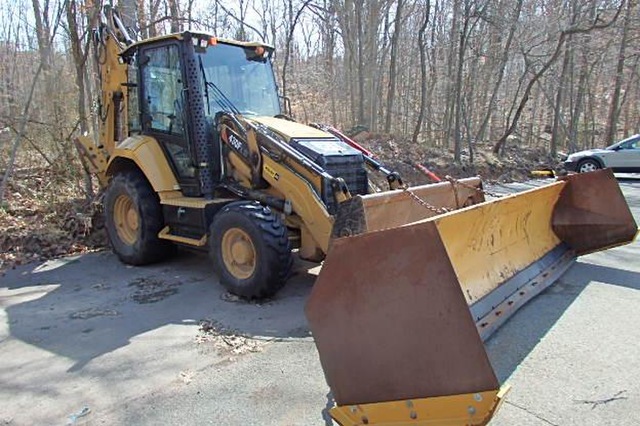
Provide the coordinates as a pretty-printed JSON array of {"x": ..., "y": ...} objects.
[{"x": 194, "y": 149}]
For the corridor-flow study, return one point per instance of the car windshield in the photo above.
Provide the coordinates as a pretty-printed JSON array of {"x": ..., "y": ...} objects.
[
  {"x": 244, "y": 79},
  {"x": 617, "y": 144}
]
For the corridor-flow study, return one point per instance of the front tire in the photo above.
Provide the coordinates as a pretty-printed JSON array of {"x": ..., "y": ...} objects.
[
  {"x": 250, "y": 249},
  {"x": 133, "y": 218},
  {"x": 588, "y": 165}
]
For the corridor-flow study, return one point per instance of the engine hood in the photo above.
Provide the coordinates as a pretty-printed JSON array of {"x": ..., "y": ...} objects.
[
  {"x": 589, "y": 152},
  {"x": 291, "y": 129}
]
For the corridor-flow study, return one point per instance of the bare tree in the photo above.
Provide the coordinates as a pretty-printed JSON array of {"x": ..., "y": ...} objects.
[
  {"x": 597, "y": 25},
  {"x": 614, "y": 109},
  {"x": 423, "y": 70},
  {"x": 45, "y": 63},
  {"x": 391, "y": 93}
]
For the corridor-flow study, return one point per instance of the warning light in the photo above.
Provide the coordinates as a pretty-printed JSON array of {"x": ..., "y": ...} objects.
[{"x": 213, "y": 41}]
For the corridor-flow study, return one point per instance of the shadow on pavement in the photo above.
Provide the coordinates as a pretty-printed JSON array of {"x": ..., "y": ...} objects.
[
  {"x": 85, "y": 306},
  {"x": 520, "y": 335}
]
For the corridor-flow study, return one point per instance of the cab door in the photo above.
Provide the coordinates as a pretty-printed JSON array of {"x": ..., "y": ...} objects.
[{"x": 162, "y": 107}]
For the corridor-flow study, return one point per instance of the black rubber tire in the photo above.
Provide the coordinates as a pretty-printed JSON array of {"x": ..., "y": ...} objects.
[
  {"x": 588, "y": 161},
  {"x": 147, "y": 248},
  {"x": 268, "y": 234}
]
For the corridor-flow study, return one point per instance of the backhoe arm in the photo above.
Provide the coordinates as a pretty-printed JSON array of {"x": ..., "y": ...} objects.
[{"x": 109, "y": 40}]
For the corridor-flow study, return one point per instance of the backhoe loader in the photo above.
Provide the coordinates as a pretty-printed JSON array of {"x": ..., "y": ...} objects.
[{"x": 194, "y": 149}]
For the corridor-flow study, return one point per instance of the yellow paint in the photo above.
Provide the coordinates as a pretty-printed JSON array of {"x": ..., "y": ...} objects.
[
  {"x": 113, "y": 74},
  {"x": 271, "y": 173},
  {"x": 543, "y": 173},
  {"x": 489, "y": 243},
  {"x": 126, "y": 218},
  {"x": 169, "y": 195},
  {"x": 94, "y": 159},
  {"x": 291, "y": 129},
  {"x": 309, "y": 248},
  {"x": 191, "y": 202},
  {"x": 166, "y": 235},
  {"x": 305, "y": 203},
  {"x": 238, "y": 253},
  {"x": 237, "y": 168},
  {"x": 146, "y": 153},
  {"x": 473, "y": 409}
]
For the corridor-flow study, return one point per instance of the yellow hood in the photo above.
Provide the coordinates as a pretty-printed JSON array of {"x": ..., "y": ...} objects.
[{"x": 290, "y": 129}]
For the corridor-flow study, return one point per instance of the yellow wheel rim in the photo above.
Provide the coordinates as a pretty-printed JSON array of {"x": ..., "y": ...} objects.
[
  {"x": 126, "y": 218},
  {"x": 238, "y": 253}
]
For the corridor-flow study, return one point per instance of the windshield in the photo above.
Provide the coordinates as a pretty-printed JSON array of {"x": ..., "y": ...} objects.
[
  {"x": 622, "y": 142},
  {"x": 248, "y": 84}
]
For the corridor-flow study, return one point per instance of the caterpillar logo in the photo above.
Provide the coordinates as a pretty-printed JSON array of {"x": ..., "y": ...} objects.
[{"x": 269, "y": 171}]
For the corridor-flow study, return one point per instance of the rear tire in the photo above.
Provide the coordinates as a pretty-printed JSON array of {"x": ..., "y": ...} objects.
[
  {"x": 250, "y": 250},
  {"x": 133, "y": 218},
  {"x": 588, "y": 165}
]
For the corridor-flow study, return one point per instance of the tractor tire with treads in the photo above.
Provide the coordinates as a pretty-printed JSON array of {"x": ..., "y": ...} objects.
[
  {"x": 250, "y": 249},
  {"x": 133, "y": 218}
]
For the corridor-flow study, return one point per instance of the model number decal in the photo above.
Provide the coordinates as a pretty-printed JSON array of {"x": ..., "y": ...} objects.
[
  {"x": 238, "y": 145},
  {"x": 235, "y": 142}
]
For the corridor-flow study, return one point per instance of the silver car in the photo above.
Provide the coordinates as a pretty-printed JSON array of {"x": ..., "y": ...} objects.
[{"x": 621, "y": 157}]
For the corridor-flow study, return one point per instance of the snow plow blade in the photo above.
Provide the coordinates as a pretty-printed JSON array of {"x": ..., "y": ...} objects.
[{"x": 399, "y": 312}]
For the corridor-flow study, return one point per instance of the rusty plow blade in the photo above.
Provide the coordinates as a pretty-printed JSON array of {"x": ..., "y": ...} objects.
[{"x": 400, "y": 310}]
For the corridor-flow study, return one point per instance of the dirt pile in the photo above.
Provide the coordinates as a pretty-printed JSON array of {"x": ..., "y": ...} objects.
[
  {"x": 400, "y": 154},
  {"x": 43, "y": 216}
]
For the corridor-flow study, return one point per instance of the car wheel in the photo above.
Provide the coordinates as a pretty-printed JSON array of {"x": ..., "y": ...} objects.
[{"x": 588, "y": 165}]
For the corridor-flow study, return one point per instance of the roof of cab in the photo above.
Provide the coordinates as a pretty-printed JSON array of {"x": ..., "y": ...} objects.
[{"x": 198, "y": 34}]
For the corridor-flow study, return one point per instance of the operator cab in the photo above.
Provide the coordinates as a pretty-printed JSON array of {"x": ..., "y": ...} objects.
[{"x": 179, "y": 82}]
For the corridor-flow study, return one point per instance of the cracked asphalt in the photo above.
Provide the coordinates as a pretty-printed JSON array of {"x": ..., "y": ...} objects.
[{"x": 88, "y": 341}]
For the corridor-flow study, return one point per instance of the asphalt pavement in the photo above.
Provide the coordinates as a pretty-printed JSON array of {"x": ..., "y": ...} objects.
[{"x": 86, "y": 340}]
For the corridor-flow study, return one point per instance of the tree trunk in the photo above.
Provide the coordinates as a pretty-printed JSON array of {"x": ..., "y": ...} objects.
[
  {"x": 497, "y": 148},
  {"x": 614, "y": 108},
  {"x": 293, "y": 21},
  {"x": 503, "y": 63},
  {"x": 393, "y": 62},
  {"x": 457, "y": 88},
  {"x": 423, "y": 71},
  {"x": 174, "y": 13},
  {"x": 80, "y": 60},
  {"x": 557, "y": 110},
  {"x": 18, "y": 138}
]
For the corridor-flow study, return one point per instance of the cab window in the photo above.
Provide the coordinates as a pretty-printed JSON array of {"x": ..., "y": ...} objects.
[
  {"x": 162, "y": 104},
  {"x": 162, "y": 90}
]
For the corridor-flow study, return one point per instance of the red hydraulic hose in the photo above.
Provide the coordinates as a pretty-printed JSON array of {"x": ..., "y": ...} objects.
[
  {"x": 428, "y": 172},
  {"x": 350, "y": 142}
]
